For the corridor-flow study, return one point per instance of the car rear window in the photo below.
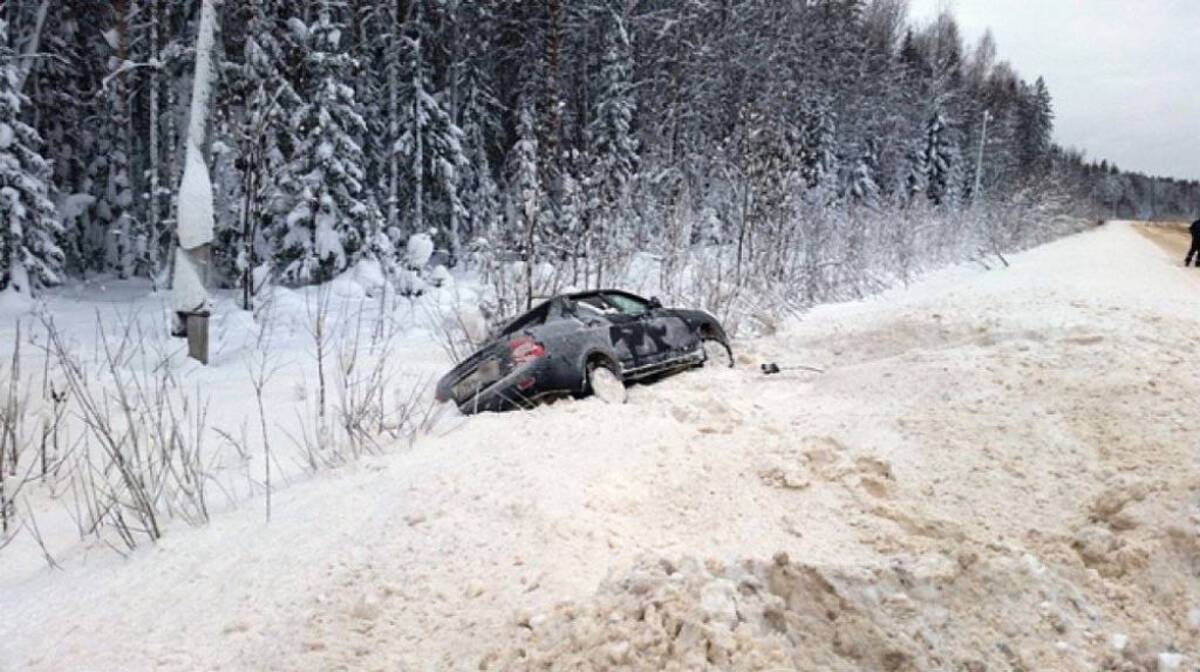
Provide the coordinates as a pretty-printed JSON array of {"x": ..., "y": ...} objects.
[{"x": 533, "y": 318}]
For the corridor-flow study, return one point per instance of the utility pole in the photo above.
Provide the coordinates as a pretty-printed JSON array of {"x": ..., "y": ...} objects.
[
  {"x": 976, "y": 194},
  {"x": 194, "y": 203}
]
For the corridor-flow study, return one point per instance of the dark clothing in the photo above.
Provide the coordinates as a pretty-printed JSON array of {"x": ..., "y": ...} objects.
[{"x": 1194, "y": 252}]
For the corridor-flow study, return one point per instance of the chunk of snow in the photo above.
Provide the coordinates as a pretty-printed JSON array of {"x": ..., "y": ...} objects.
[
  {"x": 368, "y": 274},
  {"x": 1119, "y": 641},
  {"x": 75, "y": 205},
  {"x": 440, "y": 277},
  {"x": 419, "y": 250},
  {"x": 345, "y": 286},
  {"x": 1169, "y": 662},
  {"x": 328, "y": 242},
  {"x": 409, "y": 283},
  {"x": 299, "y": 30},
  {"x": 717, "y": 599},
  {"x": 6, "y": 136}
]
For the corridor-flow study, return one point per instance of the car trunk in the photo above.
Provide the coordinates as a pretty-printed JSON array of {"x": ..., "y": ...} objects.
[{"x": 475, "y": 373}]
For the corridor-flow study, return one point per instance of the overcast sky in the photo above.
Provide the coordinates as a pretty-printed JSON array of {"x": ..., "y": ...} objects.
[{"x": 1125, "y": 74}]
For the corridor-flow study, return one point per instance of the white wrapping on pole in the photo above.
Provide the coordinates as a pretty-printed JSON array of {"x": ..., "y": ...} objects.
[{"x": 194, "y": 204}]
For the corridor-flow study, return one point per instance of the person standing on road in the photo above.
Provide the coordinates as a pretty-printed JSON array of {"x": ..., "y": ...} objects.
[{"x": 1194, "y": 252}]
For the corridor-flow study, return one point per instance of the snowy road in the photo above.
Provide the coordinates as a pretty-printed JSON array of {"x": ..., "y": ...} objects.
[
  {"x": 1174, "y": 239},
  {"x": 1019, "y": 446}
]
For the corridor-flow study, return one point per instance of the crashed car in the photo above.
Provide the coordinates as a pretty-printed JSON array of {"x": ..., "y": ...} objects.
[{"x": 576, "y": 344}]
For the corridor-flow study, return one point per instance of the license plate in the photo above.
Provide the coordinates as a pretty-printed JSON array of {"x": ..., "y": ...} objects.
[{"x": 487, "y": 373}]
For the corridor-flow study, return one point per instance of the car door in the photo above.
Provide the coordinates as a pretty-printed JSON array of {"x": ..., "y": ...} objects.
[
  {"x": 596, "y": 313},
  {"x": 655, "y": 336}
]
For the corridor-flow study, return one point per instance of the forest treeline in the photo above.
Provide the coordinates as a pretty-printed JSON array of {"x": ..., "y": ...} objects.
[{"x": 563, "y": 132}]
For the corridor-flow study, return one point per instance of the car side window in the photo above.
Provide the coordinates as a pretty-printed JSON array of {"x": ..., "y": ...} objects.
[
  {"x": 627, "y": 304},
  {"x": 589, "y": 308},
  {"x": 598, "y": 304}
]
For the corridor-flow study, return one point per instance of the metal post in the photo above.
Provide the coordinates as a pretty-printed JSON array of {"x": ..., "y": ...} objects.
[{"x": 197, "y": 336}]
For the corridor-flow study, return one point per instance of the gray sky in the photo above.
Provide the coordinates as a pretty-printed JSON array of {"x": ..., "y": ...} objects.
[{"x": 1125, "y": 74}]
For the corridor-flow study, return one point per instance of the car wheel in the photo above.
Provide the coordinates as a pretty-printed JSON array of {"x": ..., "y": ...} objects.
[
  {"x": 717, "y": 353},
  {"x": 605, "y": 383}
]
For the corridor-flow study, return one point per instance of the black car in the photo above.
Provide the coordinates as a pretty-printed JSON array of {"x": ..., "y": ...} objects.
[{"x": 574, "y": 344}]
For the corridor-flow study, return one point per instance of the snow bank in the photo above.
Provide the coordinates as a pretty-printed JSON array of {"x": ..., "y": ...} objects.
[
  {"x": 921, "y": 613},
  {"x": 995, "y": 471},
  {"x": 14, "y": 303}
]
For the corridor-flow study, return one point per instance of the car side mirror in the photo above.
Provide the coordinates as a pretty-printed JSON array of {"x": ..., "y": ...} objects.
[{"x": 655, "y": 304}]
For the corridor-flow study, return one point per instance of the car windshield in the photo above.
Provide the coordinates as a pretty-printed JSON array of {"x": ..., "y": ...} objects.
[{"x": 627, "y": 304}]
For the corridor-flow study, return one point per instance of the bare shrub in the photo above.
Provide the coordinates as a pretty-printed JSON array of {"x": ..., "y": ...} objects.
[
  {"x": 362, "y": 419},
  {"x": 143, "y": 458}
]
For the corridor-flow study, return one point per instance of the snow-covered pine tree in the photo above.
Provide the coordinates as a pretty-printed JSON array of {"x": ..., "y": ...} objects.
[
  {"x": 480, "y": 194},
  {"x": 265, "y": 101},
  {"x": 613, "y": 148},
  {"x": 376, "y": 46},
  {"x": 527, "y": 195},
  {"x": 863, "y": 187},
  {"x": 117, "y": 196},
  {"x": 151, "y": 249},
  {"x": 480, "y": 115},
  {"x": 571, "y": 202},
  {"x": 329, "y": 216},
  {"x": 432, "y": 145},
  {"x": 392, "y": 49},
  {"x": 57, "y": 88},
  {"x": 818, "y": 143},
  {"x": 939, "y": 161},
  {"x": 1035, "y": 128},
  {"x": 30, "y": 256}
]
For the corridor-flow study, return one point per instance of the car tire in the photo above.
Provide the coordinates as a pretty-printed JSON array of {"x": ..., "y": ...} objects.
[
  {"x": 717, "y": 353},
  {"x": 604, "y": 382}
]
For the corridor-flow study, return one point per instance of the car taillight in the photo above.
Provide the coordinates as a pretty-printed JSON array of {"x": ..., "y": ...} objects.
[{"x": 525, "y": 350}]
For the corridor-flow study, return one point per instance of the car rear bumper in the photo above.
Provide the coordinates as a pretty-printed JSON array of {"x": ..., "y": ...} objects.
[{"x": 524, "y": 387}]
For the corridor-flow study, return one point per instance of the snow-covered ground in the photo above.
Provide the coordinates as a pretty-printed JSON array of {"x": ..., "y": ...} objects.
[{"x": 999, "y": 469}]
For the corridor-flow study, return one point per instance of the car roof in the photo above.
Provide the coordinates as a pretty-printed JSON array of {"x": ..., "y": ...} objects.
[
  {"x": 546, "y": 305},
  {"x": 596, "y": 292}
]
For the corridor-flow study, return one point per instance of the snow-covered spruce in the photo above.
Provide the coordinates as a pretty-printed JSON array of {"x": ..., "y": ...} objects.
[
  {"x": 330, "y": 218},
  {"x": 30, "y": 256}
]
